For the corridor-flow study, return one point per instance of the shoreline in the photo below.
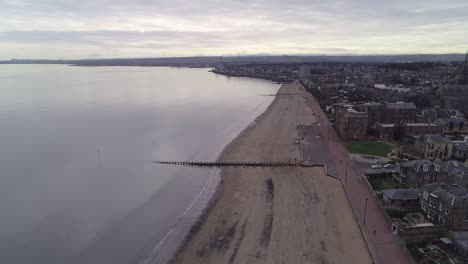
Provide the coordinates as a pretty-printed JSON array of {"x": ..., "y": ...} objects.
[
  {"x": 261, "y": 215},
  {"x": 172, "y": 244},
  {"x": 219, "y": 188},
  {"x": 254, "y": 76}
]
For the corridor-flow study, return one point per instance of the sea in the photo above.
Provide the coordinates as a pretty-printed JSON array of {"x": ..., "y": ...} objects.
[{"x": 77, "y": 145}]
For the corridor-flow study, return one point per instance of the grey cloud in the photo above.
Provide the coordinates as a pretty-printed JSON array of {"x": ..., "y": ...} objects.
[{"x": 309, "y": 26}]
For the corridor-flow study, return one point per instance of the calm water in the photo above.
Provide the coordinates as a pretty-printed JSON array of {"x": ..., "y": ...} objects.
[{"x": 62, "y": 202}]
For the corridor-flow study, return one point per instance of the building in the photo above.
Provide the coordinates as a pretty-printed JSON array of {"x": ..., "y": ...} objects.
[
  {"x": 416, "y": 173},
  {"x": 386, "y": 131},
  {"x": 445, "y": 204},
  {"x": 460, "y": 241},
  {"x": 453, "y": 125},
  {"x": 434, "y": 147},
  {"x": 401, "y": 198},
  {"x": 350, "y": 124},
  {"x": 375, "y": 112},
  {"x": 457, "y": 170},
  {"x": 389, "y": 113},
  {"x": 454, "y": 96},
  {"x": 460, "y": 150},
  {"x": 463, "y": 76},
  {"x": 304, "y": 71},
  {"x": 399, "y": 113},
  {"x": 399, "y": 89},
  {"x": 418, "y": 129},
  {"x": 430, "y": 115}
]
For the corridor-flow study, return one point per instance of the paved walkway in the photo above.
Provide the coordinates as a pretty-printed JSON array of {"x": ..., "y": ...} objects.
[{"x": 371, "y": 219}]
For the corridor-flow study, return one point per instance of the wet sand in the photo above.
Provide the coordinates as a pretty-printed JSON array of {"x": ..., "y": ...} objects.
[{"x": 276, "y": 215}]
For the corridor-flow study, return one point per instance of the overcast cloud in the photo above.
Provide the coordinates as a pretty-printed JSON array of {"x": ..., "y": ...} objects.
[{"x": 71, "y": 29}]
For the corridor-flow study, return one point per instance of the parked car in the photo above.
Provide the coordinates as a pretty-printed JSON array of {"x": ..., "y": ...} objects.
[
  {"x": 388, "y": 166},
  {"x": 376, "y": 166}
]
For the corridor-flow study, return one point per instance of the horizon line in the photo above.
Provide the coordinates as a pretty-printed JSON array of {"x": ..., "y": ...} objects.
[{"x": 245, "y": 55}]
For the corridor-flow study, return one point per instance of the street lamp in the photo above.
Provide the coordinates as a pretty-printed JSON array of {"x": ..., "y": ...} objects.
[
  {"x": 346, "y": 174},
  {"x": 365, "y": 212}
]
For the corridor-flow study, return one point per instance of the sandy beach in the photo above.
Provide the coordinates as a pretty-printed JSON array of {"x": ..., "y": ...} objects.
[{"x": 276, "y": 215}]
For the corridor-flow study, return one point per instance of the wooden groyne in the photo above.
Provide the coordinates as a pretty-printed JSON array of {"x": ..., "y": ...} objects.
[{"x": 230, "y": 163}]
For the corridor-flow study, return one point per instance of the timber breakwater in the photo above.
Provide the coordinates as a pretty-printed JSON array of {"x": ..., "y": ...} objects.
[{"x": 231, "y": 163}]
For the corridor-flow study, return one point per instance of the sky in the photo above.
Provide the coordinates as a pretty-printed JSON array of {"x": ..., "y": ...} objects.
[{"x": 84, "y": 29}]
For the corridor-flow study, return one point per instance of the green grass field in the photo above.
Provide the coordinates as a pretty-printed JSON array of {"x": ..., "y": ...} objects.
[
  {"x": 369, "y": 148},
  {"x": 388, "y": 184}
]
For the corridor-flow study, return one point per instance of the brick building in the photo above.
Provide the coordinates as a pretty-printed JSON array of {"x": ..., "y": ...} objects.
[
  {"x": 375, "y": 112},
  {"x": 386, "y": 131},
  {"x": 350, "y": 124},
  {"x": 418, "y": 129},
  {"x": 399, "y": 113}
]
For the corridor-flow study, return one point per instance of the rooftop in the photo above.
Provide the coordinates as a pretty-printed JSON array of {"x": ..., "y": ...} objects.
[
  {"x": 450, "y": 193},
  {"x": 460, "y": 145},
  {"x": 401, "y": 194},
  {"x": 420, "y": 124},
  {"x": 350, "y": 112},
  {"x": 434, "y": 138},
  {"x": 400, "y": 105},
  {"x": 453, "y": 89},
  {"x": 452, "y": 119},
  {"x": 453, "y": 166},
  {"x": 422, "y": 166}
]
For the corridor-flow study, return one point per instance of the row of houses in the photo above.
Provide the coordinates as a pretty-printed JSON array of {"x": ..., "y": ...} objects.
[
  {"x": 396, "y": 121},
  {"x": 438, "y": 189},
  {"x": 437, "y": 147},
  {"x": 441, "y": 204}
]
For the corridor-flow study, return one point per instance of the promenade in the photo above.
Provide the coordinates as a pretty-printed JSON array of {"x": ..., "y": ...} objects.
[{"x": 373, "y": 222}]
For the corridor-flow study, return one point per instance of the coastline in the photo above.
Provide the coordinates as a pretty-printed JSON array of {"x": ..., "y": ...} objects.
[
  {"x": 252, "y": 75},
  {"x": 219, "y": 188},
  {"x": 241, "y": 218}
]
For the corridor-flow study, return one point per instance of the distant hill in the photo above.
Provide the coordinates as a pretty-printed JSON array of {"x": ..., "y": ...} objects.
[{"x": 209, "y": 61}]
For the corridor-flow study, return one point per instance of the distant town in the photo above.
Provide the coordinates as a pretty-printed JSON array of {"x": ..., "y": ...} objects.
[{"x": 405, "y": 126}]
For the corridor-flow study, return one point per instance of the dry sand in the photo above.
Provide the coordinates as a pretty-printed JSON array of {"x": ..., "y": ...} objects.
[{"x": 277, "y": 215}]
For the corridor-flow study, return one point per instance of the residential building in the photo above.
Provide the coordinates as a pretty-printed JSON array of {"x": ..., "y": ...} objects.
[
  {"x": 460, "y": 150},
  {"x": 445, "y": 204},
  {"x": 457, "y": 170},
  {"x": 375, "y": 112},
  {"x": 418, "y": 129},
  {"x": 460, "y": 241},
  {"x": 454, "y": 125},
  {"x": 350, "y": 124},
  {"x": 401, "y": 198},
  {"x": 430, "y": 115},
  {"x": 399, "y": 113},
  {"x": 416, "y": 173},
  {"x": 454, "y": 96},
  {"x": 463, "y": 75},
  {"x": 304, "y": 71},
  {"x": 386, "y": 131},
  {"x": 398, "y": 88},
  {"x": 434, "y": 147}
]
